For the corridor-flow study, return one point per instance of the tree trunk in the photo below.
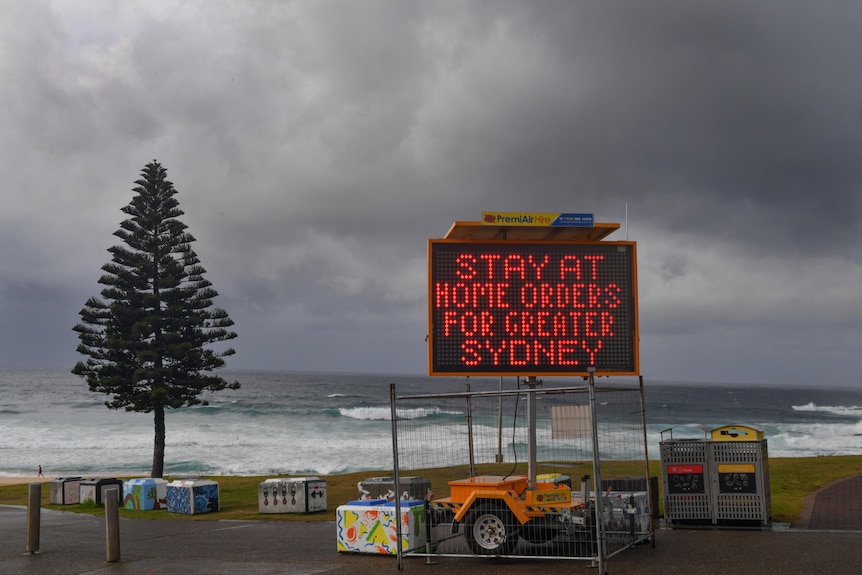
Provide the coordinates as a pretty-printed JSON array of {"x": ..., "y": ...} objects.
[{"x": 159, "y": 443}]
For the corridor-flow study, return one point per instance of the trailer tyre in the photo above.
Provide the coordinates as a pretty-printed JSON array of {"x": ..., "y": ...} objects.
[{"x": 491, "y": 529}]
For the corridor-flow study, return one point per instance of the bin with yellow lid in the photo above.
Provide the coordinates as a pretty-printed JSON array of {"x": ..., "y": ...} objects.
[
  {"x": 738, "y": 433},
  {"x": 740, "y": 478}
]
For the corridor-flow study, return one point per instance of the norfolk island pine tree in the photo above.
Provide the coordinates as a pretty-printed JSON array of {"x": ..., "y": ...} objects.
[{"x": 149, "y": 337}]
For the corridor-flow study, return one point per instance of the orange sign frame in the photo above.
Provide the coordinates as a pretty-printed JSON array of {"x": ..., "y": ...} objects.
[{"x": 541, "y": 307}]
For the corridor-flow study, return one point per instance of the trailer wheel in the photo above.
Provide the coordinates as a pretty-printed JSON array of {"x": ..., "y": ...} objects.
[{"x": 491, "y": 529}]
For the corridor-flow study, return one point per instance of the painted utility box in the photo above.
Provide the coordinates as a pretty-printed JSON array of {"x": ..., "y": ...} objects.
[
  {"x": 368, "y": 526},
  {"x": 410, "y": 488},
  {"x": 292, "y": 495},
  {"x": 192, "y": 496},
  {"x": 94, "y": 489},
  {"x": 740, "y": 480},
  {"x": 145, "y": 494},
  {"x": 66, "y": 490}
]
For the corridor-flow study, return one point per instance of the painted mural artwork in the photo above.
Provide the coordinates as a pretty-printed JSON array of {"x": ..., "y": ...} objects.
[
  {"x": 66, "y": 490},
  {"x": 274, "y": 493},
  {"x": 93, "y": 490},
  {"x": 188, "y": 498},
  {"x": 371, "y": 528},
  {"x": 292, "y": 495},
  {"x": 145, "y": 494}
]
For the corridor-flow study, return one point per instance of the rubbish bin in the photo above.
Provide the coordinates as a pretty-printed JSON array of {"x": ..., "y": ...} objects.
[
  {"x": 740, "y": 478},
  {"x": 685, "y": 474}
]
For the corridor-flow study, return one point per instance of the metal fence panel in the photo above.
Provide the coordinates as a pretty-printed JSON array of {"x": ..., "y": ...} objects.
[{"x": 489, "y": 506}]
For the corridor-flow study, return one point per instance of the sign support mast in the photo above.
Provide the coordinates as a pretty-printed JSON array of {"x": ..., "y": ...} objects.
[{"x": 531, "y": 383}]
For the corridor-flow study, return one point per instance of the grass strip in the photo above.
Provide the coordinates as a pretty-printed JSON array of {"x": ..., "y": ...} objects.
[{"x": 791, "y": 480}]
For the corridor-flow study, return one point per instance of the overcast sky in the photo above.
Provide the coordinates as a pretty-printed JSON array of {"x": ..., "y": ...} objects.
[{"x": 317, "y": 145}]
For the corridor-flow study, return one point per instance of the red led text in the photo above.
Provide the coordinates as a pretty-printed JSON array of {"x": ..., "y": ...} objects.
[{"x": 531, "y": 308}]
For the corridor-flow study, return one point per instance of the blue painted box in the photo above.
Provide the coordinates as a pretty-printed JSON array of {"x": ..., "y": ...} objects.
[
  {"x": 192, "y": 496},
  {"x": 145, "y": 494}
]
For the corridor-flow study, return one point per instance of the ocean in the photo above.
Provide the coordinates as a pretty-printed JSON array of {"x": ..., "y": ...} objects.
[{"x": 295, "y": 423}]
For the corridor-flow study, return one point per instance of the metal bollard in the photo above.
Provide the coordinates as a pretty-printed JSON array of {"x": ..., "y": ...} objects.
[
  {"x": 111, "y": 497},
  {"x": 34, "y": 516}
]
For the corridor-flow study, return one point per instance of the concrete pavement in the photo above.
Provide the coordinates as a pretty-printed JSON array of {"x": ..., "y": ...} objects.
[{"x": 827, "y": 540}]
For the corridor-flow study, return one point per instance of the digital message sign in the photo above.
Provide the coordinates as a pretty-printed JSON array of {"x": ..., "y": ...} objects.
[{"x": 533, "y": 308}]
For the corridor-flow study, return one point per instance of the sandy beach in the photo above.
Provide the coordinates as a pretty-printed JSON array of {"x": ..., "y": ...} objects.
[
  {"x": 4, "y": 481},
  {"x": 23, "y": 480}
]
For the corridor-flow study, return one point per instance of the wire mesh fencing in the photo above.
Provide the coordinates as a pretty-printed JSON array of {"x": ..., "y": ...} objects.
[{"x": 523, "y": 467}]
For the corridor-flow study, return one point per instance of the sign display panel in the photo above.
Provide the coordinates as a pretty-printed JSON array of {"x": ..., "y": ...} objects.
[
  {"x": 683, "y": 479},
  {"x": 737, "y": 478},
  {"x": 533, "y": 308}
]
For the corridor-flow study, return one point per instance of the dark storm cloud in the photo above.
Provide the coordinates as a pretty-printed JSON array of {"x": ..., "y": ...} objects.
[{"x": 316, "y": 146}]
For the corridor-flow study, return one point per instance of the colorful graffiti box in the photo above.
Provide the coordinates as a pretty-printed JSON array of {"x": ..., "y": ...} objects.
[
  {"x": 94, "y": 489},
  {"x": 192, "y": 496},
  {"x": 368, "y": 526},
  {"x": 145, "y": 494},
  {"x": 292, "y": 495},
  {"x": 410, "y": 488},
  {"x": 66, "y": 490}
]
